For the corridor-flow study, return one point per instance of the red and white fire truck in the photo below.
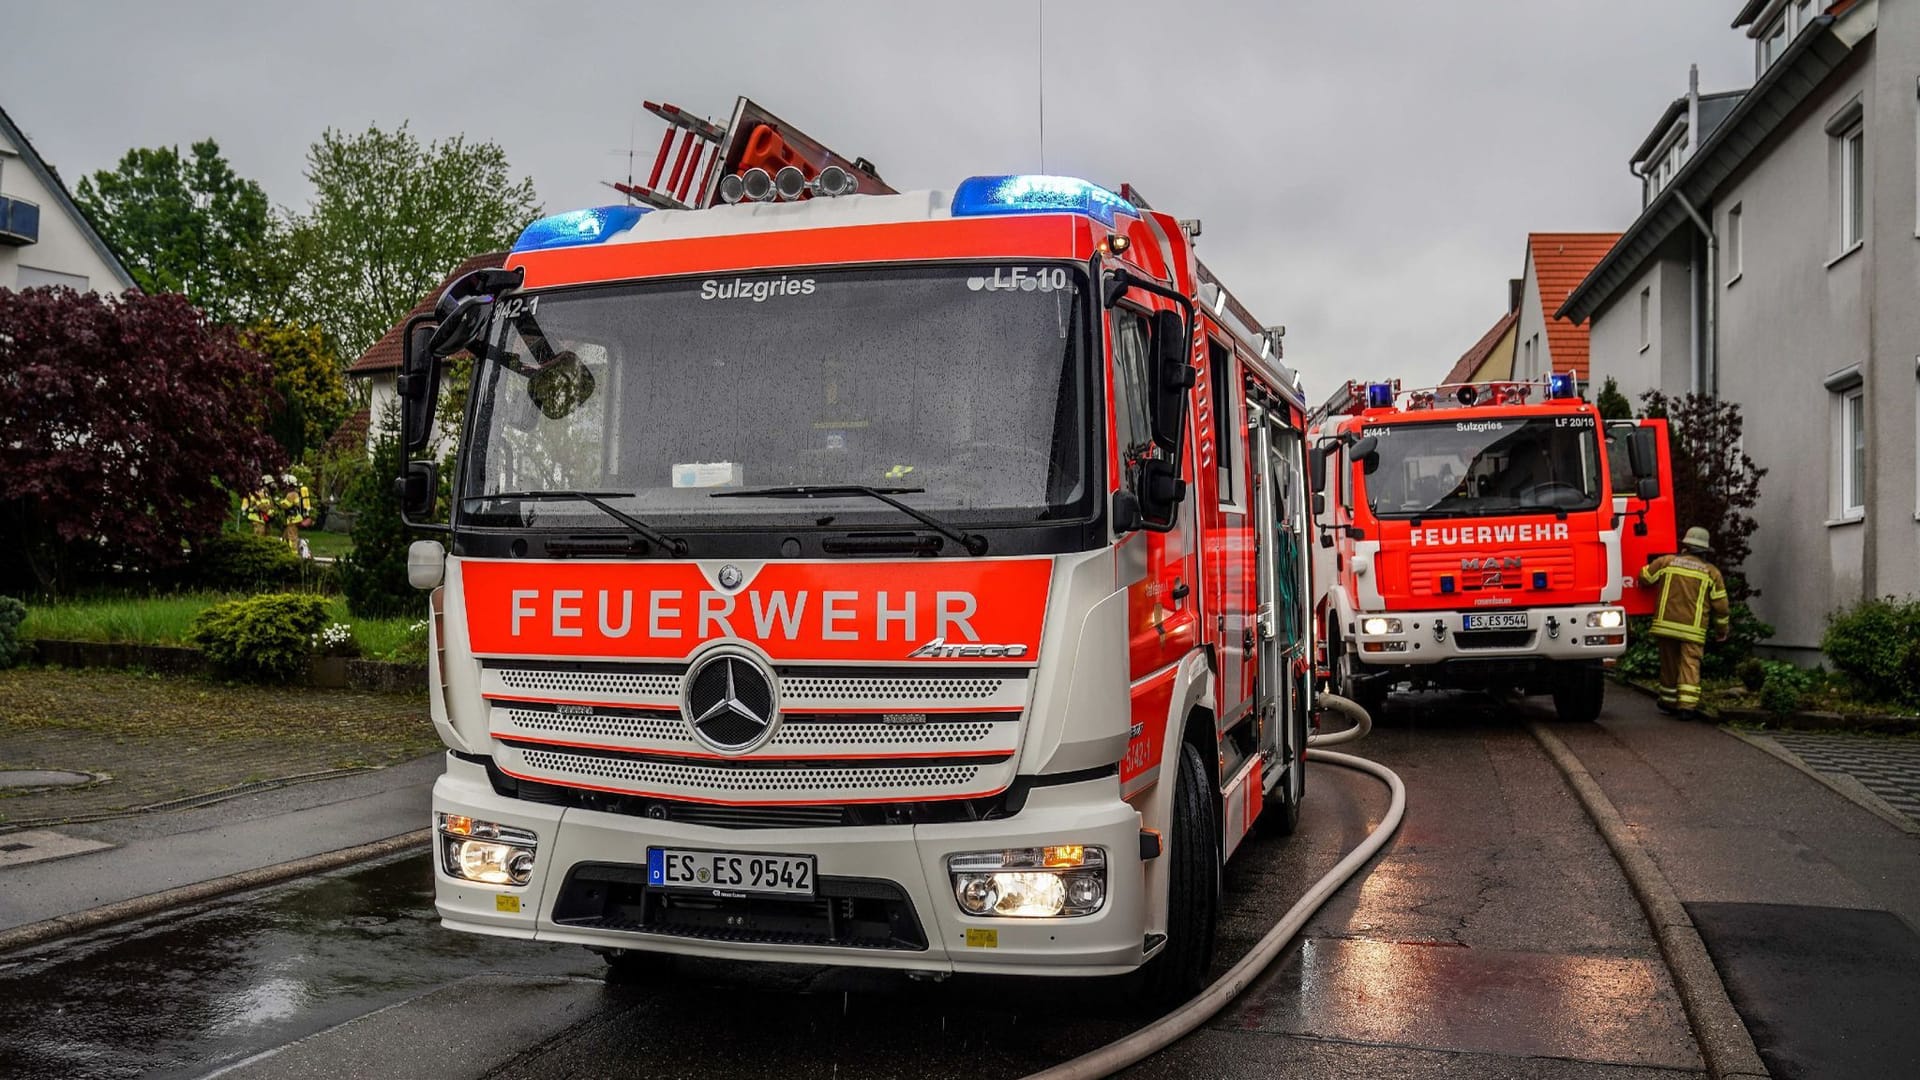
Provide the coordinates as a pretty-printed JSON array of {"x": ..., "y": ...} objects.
[
  {"x": 840, "y": 575},
  {"x": 1483, "y": 536}
]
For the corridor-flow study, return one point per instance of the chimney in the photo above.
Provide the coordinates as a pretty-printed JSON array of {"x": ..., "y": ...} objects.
[
  {"x": 1693, "y": 111},
  {"x": 1516, "y": 288}
]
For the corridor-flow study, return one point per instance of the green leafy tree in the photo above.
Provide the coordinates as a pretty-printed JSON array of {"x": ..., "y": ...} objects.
[
  {"x": 390, "y": 218},
  {"x": 1613, "y": 404},
  {"x": 1715, "y": 484},
  {"x": 307, "y": 376},
  {"x": 188, "y": 224}
]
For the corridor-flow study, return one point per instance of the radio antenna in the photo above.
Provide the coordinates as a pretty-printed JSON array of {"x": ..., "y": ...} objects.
[{"x": 1040, "y": 64}]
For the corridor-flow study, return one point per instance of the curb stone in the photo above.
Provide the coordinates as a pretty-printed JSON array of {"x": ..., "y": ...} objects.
[
  {"x": 1725, "y": 1044},
  {"x": 139, "y": 907}
]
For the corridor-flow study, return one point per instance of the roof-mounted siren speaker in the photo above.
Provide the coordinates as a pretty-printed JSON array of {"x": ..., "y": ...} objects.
[
  {"x": 1466, "y": 395},
  {"x": 834, "y": 182},
  {"x": 757, "y": 185},
  {"x": 790, "y": 183},
  {"x": 733, "y": 188}
]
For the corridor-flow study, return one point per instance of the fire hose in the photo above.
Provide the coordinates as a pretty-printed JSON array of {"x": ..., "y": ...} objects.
[{"x": 1163, "y": 1032}]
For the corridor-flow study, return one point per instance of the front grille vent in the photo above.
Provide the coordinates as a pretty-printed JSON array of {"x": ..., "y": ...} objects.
[{"x": 749, "y": 779}]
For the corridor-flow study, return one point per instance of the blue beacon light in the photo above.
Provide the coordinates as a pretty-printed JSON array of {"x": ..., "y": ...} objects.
[
  {"x": 1379, "y": 395},
  {"x": 577, "y": 227},
  {"x": 1029, "y": 194},
  {"x": 1563, "y": 385}
]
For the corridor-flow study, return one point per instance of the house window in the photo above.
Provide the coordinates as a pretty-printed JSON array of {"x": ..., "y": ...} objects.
[
  {"x": 1803, "y": 14},
  {"x": 1772, "y": 42},
  {"x": 1646, "y": 317},
  {"x": 1733, "y": 245},
  {"x": 32, "y": 277},
  {"x": 1853, "y": 187},
  {"x": 1850, "y": 449}
]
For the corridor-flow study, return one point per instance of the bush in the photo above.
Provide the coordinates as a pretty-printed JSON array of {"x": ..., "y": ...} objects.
[
  {"x": 1876, "y": 644},
  {"x": 374, "y": 575},
  {"x": 1752, "y": 674},
  {"x": 242, "y": 562},
  {"x": 12, "y": 614},
  {"x": 268, "y": 638},
  {"x": 1783, "y": 687},
  {"x": 335, "y": 639},
  {"x": 1744, "y": 632},
  {"x": 1642, "y": 658}
]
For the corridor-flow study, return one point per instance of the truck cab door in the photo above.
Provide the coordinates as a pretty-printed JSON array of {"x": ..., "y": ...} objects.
[{"x": 1646, "y": 524}]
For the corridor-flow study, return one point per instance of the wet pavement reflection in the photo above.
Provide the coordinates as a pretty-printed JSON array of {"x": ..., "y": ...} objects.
[{"x": 188, "y": 993}]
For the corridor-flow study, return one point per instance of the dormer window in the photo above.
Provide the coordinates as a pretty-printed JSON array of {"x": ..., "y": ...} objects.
[
  {"x": 1667, "y": 159},
  {"x": 1771, "y": 42}
]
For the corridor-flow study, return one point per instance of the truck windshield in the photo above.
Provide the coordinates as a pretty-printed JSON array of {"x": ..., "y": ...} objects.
[
  {"x": 1466, "y": 468},
  {"x": 967, "y": 382}
]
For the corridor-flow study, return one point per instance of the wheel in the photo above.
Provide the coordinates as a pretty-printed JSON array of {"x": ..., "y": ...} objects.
[
  {"x": 1370, "y": 693},
  {"x": 634, "y": 966},
  {"x": 1578, "y": 691},
  {"x": 1180, "y": 969}
]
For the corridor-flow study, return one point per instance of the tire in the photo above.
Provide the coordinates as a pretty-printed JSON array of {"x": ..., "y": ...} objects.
[
  {"x": 1180, "y": 969},
  {"x": 1370, "y": 693},
  {"x": 1579, "y": 690}
]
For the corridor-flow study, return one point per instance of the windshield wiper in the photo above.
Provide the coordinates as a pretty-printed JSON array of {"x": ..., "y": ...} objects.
[
  {"x": 673, "y": 544},
  {"x": 973, "y": 542}
]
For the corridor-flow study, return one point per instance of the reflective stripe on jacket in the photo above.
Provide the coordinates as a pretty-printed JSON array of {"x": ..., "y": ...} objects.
[{"x": 1689, "y": 588}]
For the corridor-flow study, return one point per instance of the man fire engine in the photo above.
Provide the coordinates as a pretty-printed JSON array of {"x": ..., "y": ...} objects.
[
  {"x": 1484, "y": 536},
  {"x": 836, "y": 575}
]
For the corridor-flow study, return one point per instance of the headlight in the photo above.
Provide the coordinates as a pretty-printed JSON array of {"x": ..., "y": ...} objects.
[
  {"x": 486, "y": 852},
  {"x": 1378, "y": 625},
  {"x": 1607, "y": 618},
  {"x": 1030, "y": 883}
]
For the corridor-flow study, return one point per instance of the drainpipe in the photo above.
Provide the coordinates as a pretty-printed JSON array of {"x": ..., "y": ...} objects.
[{"x": 1707, "y": 374}]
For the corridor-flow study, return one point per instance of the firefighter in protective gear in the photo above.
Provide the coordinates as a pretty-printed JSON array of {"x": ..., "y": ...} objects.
[{"x": 1691, "y": 592}]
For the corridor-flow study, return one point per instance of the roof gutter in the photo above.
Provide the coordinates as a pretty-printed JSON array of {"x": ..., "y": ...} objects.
[
  {"x": 1706, "y": 374},
  {"x": 1816, "y": 49}
]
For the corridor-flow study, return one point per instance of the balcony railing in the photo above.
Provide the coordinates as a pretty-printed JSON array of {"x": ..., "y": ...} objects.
[{"x": 19, "y": 221}]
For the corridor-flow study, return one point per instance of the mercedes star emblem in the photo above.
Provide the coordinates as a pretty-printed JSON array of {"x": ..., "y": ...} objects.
[
  {"x": 729, "y": 576},
  {"x": 729, "y": 702}
]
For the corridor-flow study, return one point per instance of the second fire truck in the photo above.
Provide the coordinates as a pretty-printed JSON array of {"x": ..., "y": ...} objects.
[
  {"x": 836, "y": 575},
  {"x": 1483, "y": 536}
]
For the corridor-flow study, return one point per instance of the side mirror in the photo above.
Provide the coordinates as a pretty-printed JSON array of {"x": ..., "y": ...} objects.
[
  {"x": 415, "y": 489},
  {"x": 1172, "y": 378},
  {"x": 418, "y": 385},
  {"x": 1317, "y": 476},
  {"x": 1362, "y": 451},
  {"x": 1159, "y": 491},
  {"x": 1126, "y": 512},
  {"x": 1642, "y": 457},
  {"x": 462, "y": 327},
  {"x": 1649, "y": 488},
  {"x": 1319, "y": 504}
]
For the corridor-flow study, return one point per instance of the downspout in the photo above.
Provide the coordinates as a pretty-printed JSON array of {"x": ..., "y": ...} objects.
[{"x": 1707, "y": 377}]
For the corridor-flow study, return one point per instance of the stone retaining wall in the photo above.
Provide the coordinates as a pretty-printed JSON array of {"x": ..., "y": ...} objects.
[{"x": 332, "y": 673}]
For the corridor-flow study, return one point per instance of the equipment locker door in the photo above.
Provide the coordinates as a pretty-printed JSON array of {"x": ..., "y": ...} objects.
[
  {"x": 1647, "y": 526},
  {"x": 1280, "y": 621}
]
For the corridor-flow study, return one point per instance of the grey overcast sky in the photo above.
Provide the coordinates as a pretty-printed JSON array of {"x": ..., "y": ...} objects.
[{"x": 1366, "y": 172}]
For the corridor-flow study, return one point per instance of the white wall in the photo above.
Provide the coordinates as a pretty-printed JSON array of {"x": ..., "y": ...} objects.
[
  {"x": 1532, "y": 327},
  {"x": 63, "y": 247}
]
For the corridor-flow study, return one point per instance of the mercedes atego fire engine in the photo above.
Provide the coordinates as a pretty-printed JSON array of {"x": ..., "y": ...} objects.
[
  {"x": 1483, "y": 536},
  {"x": 849, "y": 576}
]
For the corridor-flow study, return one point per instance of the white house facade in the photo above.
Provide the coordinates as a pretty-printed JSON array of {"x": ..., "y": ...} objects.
[{"x": 44, "y": 239}]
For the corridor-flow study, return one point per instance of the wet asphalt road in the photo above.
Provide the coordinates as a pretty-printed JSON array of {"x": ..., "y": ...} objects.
[{"x": 1494, "y": 937}]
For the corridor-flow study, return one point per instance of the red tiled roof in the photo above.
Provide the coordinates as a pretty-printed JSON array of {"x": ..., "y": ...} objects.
[
  {"x": 1561, "y": 261},
  {"x": 352, "y": 432},
  {"x": 385, "y": 353},
  {"x": 1471, "y": 360}
]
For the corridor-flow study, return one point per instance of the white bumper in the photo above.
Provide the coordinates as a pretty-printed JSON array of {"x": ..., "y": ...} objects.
[
  {"x": 910, "y": 857},
  {"x": 1552, "y": 633}
]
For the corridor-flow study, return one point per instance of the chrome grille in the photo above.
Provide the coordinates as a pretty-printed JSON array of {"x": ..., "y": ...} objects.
[
  {"x": 557, "y": 680},
  {"x": 747, "y": 781},
  {"x": 849, "y": 690},
  {"x": 668, "y": 732}
]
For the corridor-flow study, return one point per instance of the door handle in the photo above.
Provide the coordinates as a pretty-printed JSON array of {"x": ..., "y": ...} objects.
[{"x": 1181, "y": 590}]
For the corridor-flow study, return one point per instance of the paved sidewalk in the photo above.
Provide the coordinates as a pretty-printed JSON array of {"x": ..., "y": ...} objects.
[{"x": 1887, "y": 766}]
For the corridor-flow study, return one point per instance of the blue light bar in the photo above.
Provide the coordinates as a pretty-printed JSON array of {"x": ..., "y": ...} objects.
[
  {"x": 1563, "y": 385},
  {"x": 1379, "y": 395},
  {"x": 577, "y": 227},
  {"x": 981, "y": 195},
  {"x": 1446, "y": 583},
  {"x": 1539, "y": 579}
]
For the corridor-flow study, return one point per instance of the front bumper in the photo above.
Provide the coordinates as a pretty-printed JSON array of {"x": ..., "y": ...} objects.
[
  {"x": 911, "y": 858},
  {"x": 1438, "y": 637}
]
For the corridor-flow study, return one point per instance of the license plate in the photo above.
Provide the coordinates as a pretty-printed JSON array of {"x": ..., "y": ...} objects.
[
  {"x": 730, "y": 871},
  {"x": 1497, "y": 620}
]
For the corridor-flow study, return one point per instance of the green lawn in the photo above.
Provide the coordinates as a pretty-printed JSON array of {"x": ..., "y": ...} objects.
[
  {"x": 163, "y": 620},
  {"x": 327, "y": 545}
]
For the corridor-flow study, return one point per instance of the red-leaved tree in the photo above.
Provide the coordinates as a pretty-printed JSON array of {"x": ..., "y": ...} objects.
[{"x": 125, "y": 423}]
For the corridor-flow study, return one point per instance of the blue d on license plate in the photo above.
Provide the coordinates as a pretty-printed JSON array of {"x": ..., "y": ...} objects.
[
  {"x": 1497, "y": 620},
  {"x": 730, "y": 871}
]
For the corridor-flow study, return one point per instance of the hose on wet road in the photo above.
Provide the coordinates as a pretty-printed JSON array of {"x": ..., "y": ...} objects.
[{"x": 1163, "y": 1032}]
